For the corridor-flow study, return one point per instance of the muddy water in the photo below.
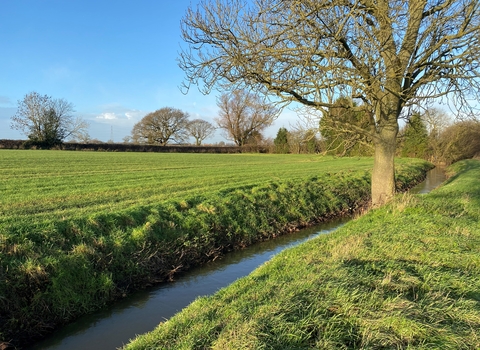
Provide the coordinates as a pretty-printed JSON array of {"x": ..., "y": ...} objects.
[{"x": 144, "y": 310}]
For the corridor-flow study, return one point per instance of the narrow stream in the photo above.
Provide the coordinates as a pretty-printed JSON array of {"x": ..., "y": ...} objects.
[
  {"x": 142, "y": 311},
  {"x": 434, "y": 178}
]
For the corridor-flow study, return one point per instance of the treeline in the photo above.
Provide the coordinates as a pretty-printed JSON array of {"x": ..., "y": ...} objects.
[
  {"x": 431, "y": 135},
  {"x": 344, "y": 129},
  {"x": 131, "y": 147},
  {"x": 48, "y": 123}
]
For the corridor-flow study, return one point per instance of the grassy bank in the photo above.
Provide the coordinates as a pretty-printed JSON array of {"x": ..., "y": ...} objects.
[
  {"x": 403, "y": 276},
  {"x": 90, "y": 233}
]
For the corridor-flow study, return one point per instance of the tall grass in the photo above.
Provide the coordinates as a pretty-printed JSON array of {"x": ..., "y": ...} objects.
[
  {"x": 406, "y": 276},
  {"x": 72, "y": 249}
]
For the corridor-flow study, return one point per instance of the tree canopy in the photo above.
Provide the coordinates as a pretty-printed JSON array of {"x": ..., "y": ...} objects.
[
  {"x": 161, "y": 127},
  {"x": 415, "y": 138},
  {"x": 200, "y": 129},
  {"x": 244, "y": 115},
  {"x": 281, "y": 141},
  {"x": 387, "y": 54},
  {"x": 47, "y": 121}
]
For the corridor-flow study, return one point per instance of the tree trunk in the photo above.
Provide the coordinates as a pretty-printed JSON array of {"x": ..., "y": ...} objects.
[{"x": 383, "y": 176}]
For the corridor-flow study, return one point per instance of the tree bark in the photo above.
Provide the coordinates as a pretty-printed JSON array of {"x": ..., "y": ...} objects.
[{"x": 383, "y": 175}]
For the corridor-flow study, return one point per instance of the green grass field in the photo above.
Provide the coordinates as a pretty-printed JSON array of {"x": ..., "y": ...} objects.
[
  {"x": 48, "y": 184},
  {"x": 80, "y": 229},
  {"x": 405, "y": 276}
]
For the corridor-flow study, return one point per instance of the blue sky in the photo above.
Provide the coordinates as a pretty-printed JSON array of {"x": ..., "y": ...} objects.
[{"x": 114, "y": 60}]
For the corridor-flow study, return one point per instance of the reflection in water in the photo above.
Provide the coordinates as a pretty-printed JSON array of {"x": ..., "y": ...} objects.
[{"x": 144, "y": 310}]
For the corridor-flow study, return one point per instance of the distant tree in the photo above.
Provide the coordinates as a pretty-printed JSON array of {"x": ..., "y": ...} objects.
[
  {"x": 47, "y": 121},
  {"x": 436, "y": 122},
  {"x": 460, "y": 140},
  {"x": 303, "y": 135},
  {"x": 303, "y": 141},
  {"x": 254, "y": 139},
  {"x": 391, "y": 55},
  {"x": 295, "y": 141},
  {"x": 162, "y": 126},
  {"x": 243, "y": 115},
  {"x": 267, "y": 145},
  {"x": 281, "y": 141},
  {"x": 311, "y": 142},
  {"x": 338, "y": 127},
  {"x": 83, "y": 137},
  {"x": 415, "y": 138},
  {"x": 200, "y": 129}
]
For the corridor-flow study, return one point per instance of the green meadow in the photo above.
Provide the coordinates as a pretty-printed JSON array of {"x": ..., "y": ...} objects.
[
  {"x": 81, "y": 229},
  {"x": 43, "y": 185},
  {"x": 405, "y": 276}
]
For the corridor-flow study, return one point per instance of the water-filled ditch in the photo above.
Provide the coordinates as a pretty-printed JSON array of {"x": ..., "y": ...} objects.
[{"x": 144, "y": 310}]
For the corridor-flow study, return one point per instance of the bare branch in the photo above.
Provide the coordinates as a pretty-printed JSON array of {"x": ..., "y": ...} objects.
[
  {"x": 161, "y": 127},
  {"x": 200, "y": 129},
  {"x": 46, "y": 120},
  {"x": 243, "y": 115},
  {"x": 390, "y": 54}
]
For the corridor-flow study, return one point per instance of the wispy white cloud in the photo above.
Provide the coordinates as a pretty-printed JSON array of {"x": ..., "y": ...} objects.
[
  {"x": 119, "y": 115},
  {"x": 134, "y": 115},
  {"x": 7, "y": 112},
  {"x": 6, "y": 132},
  {"x": 5, "y": 101},
  {"x": 107, "y": 116}
]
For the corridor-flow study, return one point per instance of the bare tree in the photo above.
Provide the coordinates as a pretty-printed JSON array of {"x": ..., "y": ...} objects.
[
  {"x": 460, "y": 140},
  {"x": 200, "y": 129},
  {"x": 388, "y": 54},
  {"x": 82, "y": 136},
  {"x": 162, "y": 126},
  {"x": 244, "y": 115},
  {"x": 436, "y": 122},
  {"x": 296, "y": 141},
  {"x": 47, "y": 120},
  {"x": 304, "y": 133}
]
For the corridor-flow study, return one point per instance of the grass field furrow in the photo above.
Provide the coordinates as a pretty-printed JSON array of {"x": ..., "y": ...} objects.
[{"x": 47, "y": 185}]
